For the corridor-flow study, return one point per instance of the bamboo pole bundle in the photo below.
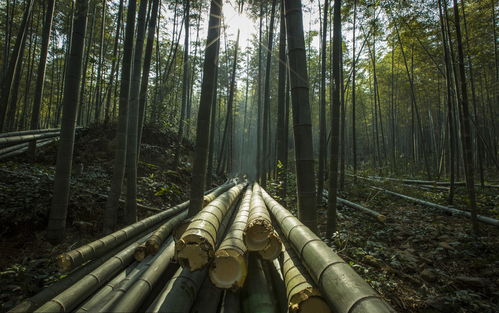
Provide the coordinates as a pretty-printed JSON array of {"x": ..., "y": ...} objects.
[
  {"x": 70, "y": 260},
  {"x": 143, "y": 286},
  {"x": 380, "y": 217},
  {"x": 29, "y": 132},
  {"x": 256, "y": 294},
  {"x": 229, "y": 267},
  {"x": 181, "y": 291},
  {"x": 157, "y": 238},
  {"x": 481, "y": 218},
  {"x": 259, "y": 226},
  {"x": 196, "y": 247},
  {"x": 301, "y": 293},
  {"x": 32, "y": 303},
  {"x": 208, "y": 298},
  {"x": 25, "y": 138},
  {"x": 121, "y": 290},
  {"x": 273, "y": 248},
  {"x": 343, "y": 288},
  {"x": 105, "y": 290},
  {"x": 24, "y": 147},
  {"x": 74, "y": 295}
]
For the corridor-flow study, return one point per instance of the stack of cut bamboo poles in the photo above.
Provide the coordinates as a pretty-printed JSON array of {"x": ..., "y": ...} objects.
[{"x": 242, "y": 250}]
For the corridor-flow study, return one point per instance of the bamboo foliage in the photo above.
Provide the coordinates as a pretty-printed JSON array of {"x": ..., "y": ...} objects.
[{"x": 229, "y": 267}]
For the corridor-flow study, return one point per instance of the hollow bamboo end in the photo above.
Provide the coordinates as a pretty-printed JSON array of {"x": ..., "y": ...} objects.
[
  {"x": 152, "y": 246},
  {"x": 64, "y": 263},
  {"x": 140, "y": 253},
  {"x": 381, "y": 218},
  {"x": 308, "y": 300},
  {"x": 273, "y": 248},
  {"x": 228, "y": 270},
  {"x": 193, "y": 252},
  {"x": 257, "y": 234}
]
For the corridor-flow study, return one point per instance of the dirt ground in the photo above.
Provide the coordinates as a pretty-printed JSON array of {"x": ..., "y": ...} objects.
[{"x": 421, "y": 259}]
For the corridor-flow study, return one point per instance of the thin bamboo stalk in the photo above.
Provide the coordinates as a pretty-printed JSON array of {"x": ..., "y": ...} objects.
[
  {"x": 380, "y": 217},
  {"x": 26, "y": 138},
  {"x": 29, "y": 132},
  {"x": 481, "y": 218},
  {"x": 343, "y": 288}
]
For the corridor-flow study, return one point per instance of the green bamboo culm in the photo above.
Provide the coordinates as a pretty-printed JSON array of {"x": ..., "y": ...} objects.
[
  {"x": 344, "y": 290},
  {"x": 256, "y": 294},
  {"x": 259, "y": 226}
]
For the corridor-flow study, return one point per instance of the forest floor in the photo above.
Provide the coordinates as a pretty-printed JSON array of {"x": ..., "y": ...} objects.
[
  {"x": 420, "y": 259},
  {"x": 26, "y": 265}
]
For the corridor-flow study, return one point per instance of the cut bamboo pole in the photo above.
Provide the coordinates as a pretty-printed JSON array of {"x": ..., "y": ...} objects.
[
  {"x": 302, "y": 295},
  {"x": 121, "y": 291},
  {"x": 142, "y": 287},
  {"x": 273, "y": 248},
  {"x": 380, "y": 217},
  {"x": 343, "y": 288},
  {"x": 196, "y": 247},
  {"x": 70, "y": 260},
  {"x": 279, "y": 285},
  {"x": 481, "y": 218},
  {"x": 25, "y": 138},
  {"x": 29, "y": 132},
  {"x": 140, "y": 253},
  {"x": 229, "y": 267},
  {"x": 180, "y": 292},
  {"x": 74, "y": 295},
  {"x": 157, "y": 238},
  {"x": 259, "y": 226},
  {"x": 231, "y": 302},
  {"x": 208, "y": 298},
  {"x": 257, "y": 295},
  {"x": 31, "y": 304},
  {"x": 24, "y": 148}
]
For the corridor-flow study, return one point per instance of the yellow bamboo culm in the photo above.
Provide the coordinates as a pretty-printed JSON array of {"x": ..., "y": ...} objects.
[
  {"x": 259, "y": 228},
  {"x": 303, "y": 296},
  {"x": 196, "y": 247},
  {"x": 229, "y": 267}
]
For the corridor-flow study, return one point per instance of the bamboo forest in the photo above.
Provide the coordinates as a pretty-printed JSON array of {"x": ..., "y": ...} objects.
[{"x": 253, "y": 156}]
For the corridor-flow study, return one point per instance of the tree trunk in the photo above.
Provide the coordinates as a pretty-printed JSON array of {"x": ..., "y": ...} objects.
[
  {"x": 204, "y": 115},
  {"x": 133, "y": 118},
  {"x": 305, "y": 175},
  {"x": 111, "y": 213},
  {"x": 16, "y": 58},
  {"x": 147, "y": 68},
  {"x": 465, "y": 125},
  {"x": 99, "y": 82},
  {"x": 335, "y": 110},
  {"x": 354, "y": 61},
  {"x": 58, "y": 210},
  {"x": 40, "y": 78},
  {"x": 322, "y": 109},
  {"x": 185, "y": 85},
  {"x": 113, "y": 64}
]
